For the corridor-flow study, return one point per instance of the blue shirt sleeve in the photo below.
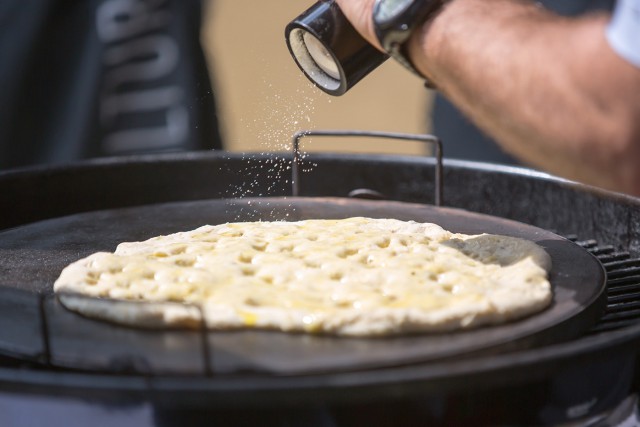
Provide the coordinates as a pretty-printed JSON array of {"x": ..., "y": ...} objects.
[{"x": 623, "y": 31}]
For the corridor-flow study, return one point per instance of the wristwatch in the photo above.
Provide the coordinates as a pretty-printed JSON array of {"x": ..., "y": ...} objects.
[{"x": 395, "y": 20}]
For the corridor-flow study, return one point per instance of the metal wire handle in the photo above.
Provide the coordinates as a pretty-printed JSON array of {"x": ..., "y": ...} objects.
[{"x": 428, "y": 139}]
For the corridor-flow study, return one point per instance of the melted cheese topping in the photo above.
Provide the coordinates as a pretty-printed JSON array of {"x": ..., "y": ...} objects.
[{"x": 357, "y": 276}]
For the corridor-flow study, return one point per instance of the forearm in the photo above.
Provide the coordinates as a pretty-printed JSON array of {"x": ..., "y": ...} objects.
[
  {"x": 540, "y": 84},
  {"x": 549, "y": 89}
]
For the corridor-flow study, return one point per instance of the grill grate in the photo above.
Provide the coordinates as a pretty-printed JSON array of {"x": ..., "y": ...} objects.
[{"x": 623, "y": 285}]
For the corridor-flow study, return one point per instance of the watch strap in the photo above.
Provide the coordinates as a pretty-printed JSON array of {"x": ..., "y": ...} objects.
[{"x": 397, "y": 52}]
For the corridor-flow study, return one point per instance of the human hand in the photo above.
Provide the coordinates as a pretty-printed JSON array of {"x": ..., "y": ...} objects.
[{"x": 359, "y": 13}]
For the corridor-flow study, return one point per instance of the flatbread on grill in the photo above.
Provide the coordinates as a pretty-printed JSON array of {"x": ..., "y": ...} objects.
[{"x": 352, "y": 277}]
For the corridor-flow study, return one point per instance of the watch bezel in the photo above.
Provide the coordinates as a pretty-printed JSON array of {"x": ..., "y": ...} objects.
[
  {"x": 398, "y": 29},
  {"x": 380, "y": 4}
]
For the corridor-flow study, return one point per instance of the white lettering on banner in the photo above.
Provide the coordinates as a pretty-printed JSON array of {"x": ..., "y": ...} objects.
[
  {"x": 141, "y": 100},
  {"x": 120, "y": 19},
  {"x": 140, "y": 60},
  {"x": 581, "y": 409},
  {"x": 140, "y": 51},
  {"x": 173, "y": 132}
]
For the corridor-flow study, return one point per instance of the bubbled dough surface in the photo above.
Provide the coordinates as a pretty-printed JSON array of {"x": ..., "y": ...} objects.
[{"x": 355, "y": 277}]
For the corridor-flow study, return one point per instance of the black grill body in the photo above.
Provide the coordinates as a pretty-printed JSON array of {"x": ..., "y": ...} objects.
[{"x": 575, "y": 381}]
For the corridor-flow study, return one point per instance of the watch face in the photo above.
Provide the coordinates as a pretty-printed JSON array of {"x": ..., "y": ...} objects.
[{"x": 386, "y": 10}]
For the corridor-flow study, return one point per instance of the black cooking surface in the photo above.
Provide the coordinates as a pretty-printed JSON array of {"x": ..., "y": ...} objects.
[{"x": 33, "y": 256}]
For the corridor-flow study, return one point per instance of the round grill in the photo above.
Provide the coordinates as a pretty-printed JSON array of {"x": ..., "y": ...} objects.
[{"x": 111, "y": 198}]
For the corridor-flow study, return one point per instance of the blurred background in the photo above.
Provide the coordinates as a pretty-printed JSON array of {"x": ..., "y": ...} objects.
[
  {"x": 101, "y": 78},
  {"x": 263, "y": 98}
]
